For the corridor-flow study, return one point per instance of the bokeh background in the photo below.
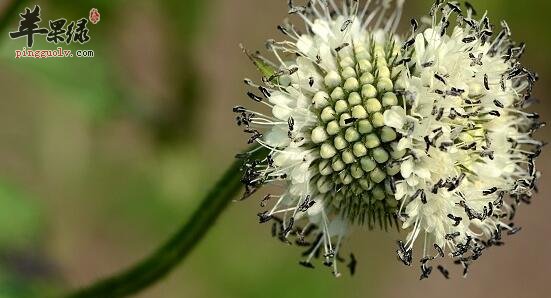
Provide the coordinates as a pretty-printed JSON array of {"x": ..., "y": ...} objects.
[{"x": 102, "y": 158}]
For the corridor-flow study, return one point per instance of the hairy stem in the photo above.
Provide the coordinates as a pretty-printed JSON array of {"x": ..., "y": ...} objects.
[{"x": 169, "y": 255}]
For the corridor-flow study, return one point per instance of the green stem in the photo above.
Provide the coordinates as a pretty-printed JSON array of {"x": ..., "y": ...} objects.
[
  {"x": 11, "y": 10},
  {"x": 169, "y": 255}
]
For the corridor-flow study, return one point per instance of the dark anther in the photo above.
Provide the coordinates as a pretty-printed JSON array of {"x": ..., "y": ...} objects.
[
  {"x": 345, "y": 25},
  {"x": 254, "y": 97},
  {"x": 533, "y": 116},
  {"x": 292, "y": 70},
  {"x": 437, "y": 186},
  {"x": 423, "y": 197},
  {"x": 454, "y": 7},
  {"x": 532, "y": 168},
  {"x": 471, "y": 213},
  {"x": 408, "y": 43},
  {"x": 439, "y": 250},
  {"x": 403, "y": 61},
  {"x": 270, "y": 160},
  {"x": 339, "y": 48},
  {"x": 452, "y": 236},
  {"x": 264, "y": 91},
  {"x": 239, "y": 109},
  {"x": 403, "y": 254},
  {"x": 440, "y": 78},
  {"x": 255, "y": 135},
  {"x": 469, "y": 146},
  {"x": 487, "y": 153},
  {"x": 291, "y": 123},
  {"x": 440, "y": 114},
  {"x": 352, "y": 264},
  {"x": 444, "y": 272},
  {"x": 297, "y": 9},
  {"x": 438, "y": 133},
  {"x": 465, "y": 269},
  {"x": 282, "y": 30},
  {"x": 414, "y": 25},
  {"x": 470, "y": 22},
  {"x": 425, "y": 271},
  {"x": 469, "y": 39},
  {"x": 428, "y": 143},
  {"x": 306, "y": 264},
  {"x": 489, "y": 191},
  {"x": 263, "y": 217},
  {"x": 425, "y": 259},
  {"x": 490, "y": 209},
  {"x": 445, "y": 145},
  {"x": 514, "y": 230},
  {"x": 265, "y": 200},
  {"x": 499, "y": 201},
  {"x": 456, "y": 219},
  {"x": 428, "y": 64},
  {"x": 307, "y": 204},
  {"x": 486, "y": 33},
  {"x": 455, "y": 91},
  {"x": 289, "y": 227},
  {"x": 416, "y": 194},
  {"x": 329, "y": 254},
  {"x": 486, "y": 84},
  {"x": 457, "y": 182},
  {"x": 350, "y": 120},
  {"x": 486, "y": 22}
]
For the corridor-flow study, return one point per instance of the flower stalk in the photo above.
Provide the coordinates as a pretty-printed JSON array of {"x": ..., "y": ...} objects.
[{"x": 174, "y": 251}]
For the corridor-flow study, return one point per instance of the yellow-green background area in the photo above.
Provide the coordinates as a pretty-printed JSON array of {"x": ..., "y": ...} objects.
[{"x": 102, "y": 158}]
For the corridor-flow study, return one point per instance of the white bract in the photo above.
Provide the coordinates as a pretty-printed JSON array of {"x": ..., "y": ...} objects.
[{"x": 370, "y": 128}]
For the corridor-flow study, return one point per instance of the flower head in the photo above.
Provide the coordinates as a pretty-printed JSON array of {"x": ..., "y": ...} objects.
[{"x": 370, "y": 128}]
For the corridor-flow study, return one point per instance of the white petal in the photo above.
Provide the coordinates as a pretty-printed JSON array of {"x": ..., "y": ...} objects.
[
  {"x": 403, "y": 144},
  {"x": 401, "y": 190},
  {"x": 281, "y": 113},
  {"x": 395, "y": 117},
  {"x": 407, "y": 168},
  {"x": 280, "y": 99}
]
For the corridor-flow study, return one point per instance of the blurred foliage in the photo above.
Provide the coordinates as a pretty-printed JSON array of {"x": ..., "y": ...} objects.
[
  {"x": 91, "y": 88},
  {"x": 20, "y": 219},
  {"x": 107, "y": 156},
  {"x": 22, "y": 272}
]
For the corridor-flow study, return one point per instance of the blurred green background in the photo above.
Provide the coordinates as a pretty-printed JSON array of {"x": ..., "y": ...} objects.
[{"x": 102, "y": 158}]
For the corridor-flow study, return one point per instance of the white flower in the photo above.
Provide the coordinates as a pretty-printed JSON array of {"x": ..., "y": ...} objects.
[
  {"x": 471, "y": 144},
  {"x": 367, "y": 129}
]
